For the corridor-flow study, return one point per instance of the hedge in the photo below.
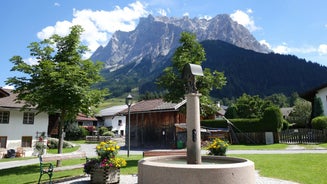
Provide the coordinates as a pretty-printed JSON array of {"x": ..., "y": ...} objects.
[
  {"x": 319, "y": 122},
  {"x": 271, "y": 122}
]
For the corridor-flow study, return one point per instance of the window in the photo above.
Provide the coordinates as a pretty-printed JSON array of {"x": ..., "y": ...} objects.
[
  {"x": 28, "y": 118},
  {"x": 27, "y": 141},
  {"x": 4, "y": 117},
  {"x": 3, "y": 142},
  {"x": 120, "y": 122}
]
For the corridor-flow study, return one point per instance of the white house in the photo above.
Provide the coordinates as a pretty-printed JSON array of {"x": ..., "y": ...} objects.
[
  {"x": 111, "y": 117},
  {"x": 319, "y": 92},
  {"x": 19, "y": 128}
]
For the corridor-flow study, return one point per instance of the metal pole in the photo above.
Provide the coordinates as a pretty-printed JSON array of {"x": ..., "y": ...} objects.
[{"x": 129, "y": 130}]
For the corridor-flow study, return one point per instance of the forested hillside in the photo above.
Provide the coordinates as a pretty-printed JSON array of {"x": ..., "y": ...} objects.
[
  {"x": 246, "y": 72},
  {"x": 261, "y": 74}
]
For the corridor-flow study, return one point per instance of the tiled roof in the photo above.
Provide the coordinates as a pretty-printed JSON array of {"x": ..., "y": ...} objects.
[
  {"x": 83, "y": 117},
  {"x": 7, "y": 99},
  {"x": 111, "y": 111},
  {"x": 154, "y": 105}
]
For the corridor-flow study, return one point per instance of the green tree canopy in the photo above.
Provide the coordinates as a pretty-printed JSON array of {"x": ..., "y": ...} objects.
[
  {"x": 192, "y": 52},
  {"x": 251, "y": 106},
  {"x": 278, "y": 99},
  {"x": 60, "y": 81},
  {"x": 300, "y": 116},
  {"x": 317, "y": 109}
]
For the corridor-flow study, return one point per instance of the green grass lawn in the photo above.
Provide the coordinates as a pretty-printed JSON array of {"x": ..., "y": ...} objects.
[
  {"x": 65, "y": 150},
  {"x": 258, "y": 147},
  {"x": 30, "y": 174},
  {"x": 301, "y": 168}
]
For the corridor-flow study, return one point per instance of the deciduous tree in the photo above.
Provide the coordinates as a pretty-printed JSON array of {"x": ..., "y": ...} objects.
[
  {"x": 60, "y": 81},
  {"x": 192, "y": 52}
]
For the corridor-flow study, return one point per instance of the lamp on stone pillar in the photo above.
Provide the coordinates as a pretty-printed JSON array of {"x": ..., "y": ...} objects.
[
  {"x": 190, "y": 72},
  {"x": 128, "y": 102}
]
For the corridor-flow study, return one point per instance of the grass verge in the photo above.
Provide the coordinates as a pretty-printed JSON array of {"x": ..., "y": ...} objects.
[
  {"x": 258, "y": 147},
  {"x": 301, "y": 168}
]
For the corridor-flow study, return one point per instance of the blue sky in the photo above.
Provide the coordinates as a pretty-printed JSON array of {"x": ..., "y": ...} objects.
[{"x": 297, "y": 27}]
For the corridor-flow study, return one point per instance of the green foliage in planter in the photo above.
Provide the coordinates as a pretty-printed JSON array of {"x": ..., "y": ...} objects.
[
  {"x": 319, "y": 122},
  {"x": 217, "y": 147}
]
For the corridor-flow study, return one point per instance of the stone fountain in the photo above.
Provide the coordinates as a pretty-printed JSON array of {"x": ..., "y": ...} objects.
[{"x": 194, "y": 168}]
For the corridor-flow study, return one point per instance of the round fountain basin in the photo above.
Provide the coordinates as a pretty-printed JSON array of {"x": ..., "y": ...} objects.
[{"x": 214, "y": 169}]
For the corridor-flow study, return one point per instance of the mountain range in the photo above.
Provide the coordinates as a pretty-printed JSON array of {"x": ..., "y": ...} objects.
[{"x": 135, "y": 59}]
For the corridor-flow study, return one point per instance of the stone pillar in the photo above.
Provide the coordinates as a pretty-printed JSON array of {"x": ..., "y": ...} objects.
[{"x": 193, "y": 128}]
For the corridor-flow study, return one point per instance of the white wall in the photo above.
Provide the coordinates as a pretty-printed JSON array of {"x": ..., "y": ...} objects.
[
  {"x": 15, "y": 129},
  {"x": 322, "y": 94},
  {"x": 113, "y": 121}
]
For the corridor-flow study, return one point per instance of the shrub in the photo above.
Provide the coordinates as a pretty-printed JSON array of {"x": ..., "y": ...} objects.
[
  {"x": 39, "y": 147},
  {"x": 272, "y": 118},
  {"x": 84, "y": 132},
  {"x": 231, "y": 112},
  {"x": 319, "y": 122},
  {"x": 109, "y": 133},
  {"x": 285, "y": 124},
  {"x": 53, "y": 143},
  {"x": 102, "y": 130},
  {"x": 74, "y": 132}
]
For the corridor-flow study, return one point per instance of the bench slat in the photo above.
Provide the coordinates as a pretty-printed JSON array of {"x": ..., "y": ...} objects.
[{"x": 66, "y": 156}]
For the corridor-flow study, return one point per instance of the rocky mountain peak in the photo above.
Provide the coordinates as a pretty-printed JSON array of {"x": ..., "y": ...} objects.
[{"x": 158, "y": 37}]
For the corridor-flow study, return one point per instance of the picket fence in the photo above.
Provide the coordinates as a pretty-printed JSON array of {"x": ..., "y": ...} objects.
[
  {"x": 290, "y": 136},
  {"x": 302, "y": 136}
]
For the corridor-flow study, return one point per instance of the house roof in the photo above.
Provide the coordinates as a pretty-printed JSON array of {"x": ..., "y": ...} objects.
[
  {"x": 7, "y": 99},
  {"x": 112, "y": 111},
  {"x": 83, "y": 117},
  {"x": 286, "y": 110},
  {"x": 310, "y": 95},
  {"x": 154, "y": 105}
]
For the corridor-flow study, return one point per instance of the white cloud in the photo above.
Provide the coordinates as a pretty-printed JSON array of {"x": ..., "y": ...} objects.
[
  {"x": 244, "y": 19},
  {"x": 186, "y": 14},
  {"x": 281, "y": 49},
  {"x": 30, "y": 61},
  {"x": 98, "y": 25},
  {"x": 285, "y": 49},
  {"x": 322, "y": 49},
  {"x": 162, "y": 12},
  {"x": 56, "y": 4},
  {"x": 264, "y": 42},
  {"x": 8, "y": 87}
]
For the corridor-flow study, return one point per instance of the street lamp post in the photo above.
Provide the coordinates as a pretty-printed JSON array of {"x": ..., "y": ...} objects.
[{"x": 129, "y": 103}]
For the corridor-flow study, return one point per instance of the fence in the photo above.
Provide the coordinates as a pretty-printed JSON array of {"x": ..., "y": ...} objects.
[
  {"x": 290, "y": 136},
  {"x": 302, "y": 136},
  {"x": 97, "y": 138}
]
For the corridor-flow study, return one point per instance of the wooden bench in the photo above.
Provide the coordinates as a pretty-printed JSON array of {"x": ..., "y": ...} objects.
[
  {"x": 47, "y": 168},
  {"x": 152, "y": 153}
]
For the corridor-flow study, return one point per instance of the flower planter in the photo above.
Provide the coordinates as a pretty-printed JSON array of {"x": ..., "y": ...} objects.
[{"x": 105, "y": 175}]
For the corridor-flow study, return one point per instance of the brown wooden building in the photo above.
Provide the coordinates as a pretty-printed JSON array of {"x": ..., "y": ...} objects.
[{"x": 153, "y": 123}]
